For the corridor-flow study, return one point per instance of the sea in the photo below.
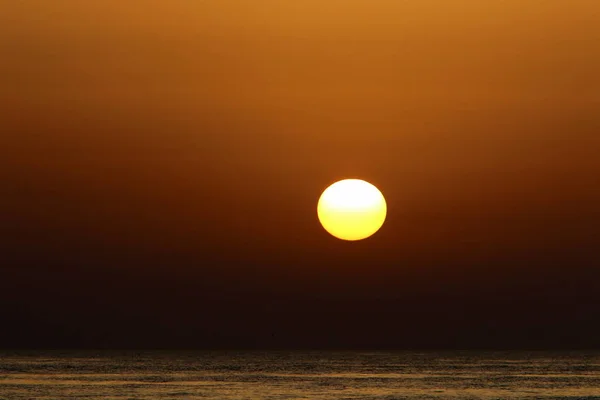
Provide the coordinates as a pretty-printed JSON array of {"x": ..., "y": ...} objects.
[{"x": 312, "y": 375}]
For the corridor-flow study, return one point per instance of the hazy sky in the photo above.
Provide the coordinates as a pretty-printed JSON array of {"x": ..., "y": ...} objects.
[{"x": 161, "y": 161}]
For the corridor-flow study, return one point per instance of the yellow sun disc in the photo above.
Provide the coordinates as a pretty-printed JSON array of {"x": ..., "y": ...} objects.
[{"x": 352, "y": 209}]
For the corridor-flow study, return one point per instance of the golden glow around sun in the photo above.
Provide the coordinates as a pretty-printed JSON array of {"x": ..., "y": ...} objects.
[{"x": 352, "y": 209}]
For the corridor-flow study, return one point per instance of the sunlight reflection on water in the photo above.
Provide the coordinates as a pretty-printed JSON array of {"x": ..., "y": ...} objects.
[{"x": 310, "y": 375}]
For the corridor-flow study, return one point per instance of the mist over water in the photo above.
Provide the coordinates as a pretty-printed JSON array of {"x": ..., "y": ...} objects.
[{"x": 296, "y": 375}]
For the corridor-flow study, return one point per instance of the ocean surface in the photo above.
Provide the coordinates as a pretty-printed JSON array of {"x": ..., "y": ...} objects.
[{"x": 299, "y": 375}]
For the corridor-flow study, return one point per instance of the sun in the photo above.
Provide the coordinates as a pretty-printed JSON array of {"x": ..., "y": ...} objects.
[{"x": 352, "y": 209}]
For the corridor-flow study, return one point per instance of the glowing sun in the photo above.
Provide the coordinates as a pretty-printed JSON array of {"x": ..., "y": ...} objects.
[{"x": 352, "y": 209}]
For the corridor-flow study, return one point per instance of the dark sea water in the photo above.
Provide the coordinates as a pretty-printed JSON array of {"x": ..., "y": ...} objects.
[{"x": 299, "y": 375}]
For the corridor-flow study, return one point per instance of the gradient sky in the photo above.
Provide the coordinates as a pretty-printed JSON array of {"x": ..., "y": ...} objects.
[{"x": 161, "y": 162}]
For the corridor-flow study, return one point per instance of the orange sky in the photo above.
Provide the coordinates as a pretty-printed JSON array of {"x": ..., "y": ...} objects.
[
  {"x": 206, "y": 130},
  {"x": 161, "y": 162}
]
